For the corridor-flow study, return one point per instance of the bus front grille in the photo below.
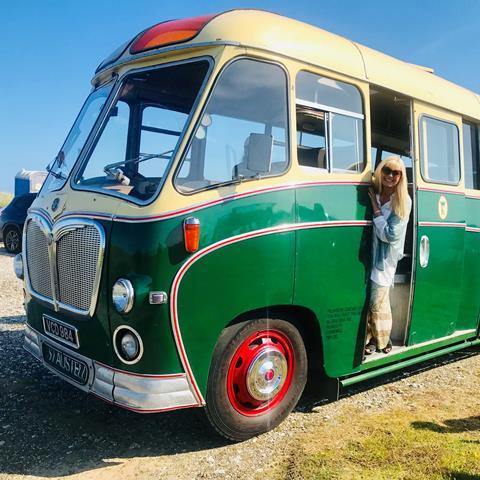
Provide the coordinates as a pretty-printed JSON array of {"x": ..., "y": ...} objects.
[
  {"x": 72, "y": 253},
  {"x": 37, "y": 259}
]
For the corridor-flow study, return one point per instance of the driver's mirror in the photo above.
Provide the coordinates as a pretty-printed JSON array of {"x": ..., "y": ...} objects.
[{"x": 259, "y": 152}]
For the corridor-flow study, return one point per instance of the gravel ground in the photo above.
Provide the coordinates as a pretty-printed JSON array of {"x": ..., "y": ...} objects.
[{"x": 49, "y": 429}]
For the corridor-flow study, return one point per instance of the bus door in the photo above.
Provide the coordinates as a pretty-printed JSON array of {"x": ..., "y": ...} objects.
[{"x": 440, "y": 225}]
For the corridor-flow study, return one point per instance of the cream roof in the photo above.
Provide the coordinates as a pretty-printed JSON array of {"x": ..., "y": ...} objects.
[{"x": 313, "y": 45}]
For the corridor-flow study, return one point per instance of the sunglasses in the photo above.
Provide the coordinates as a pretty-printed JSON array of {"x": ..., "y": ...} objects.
[{"x": 389, "y": 172}]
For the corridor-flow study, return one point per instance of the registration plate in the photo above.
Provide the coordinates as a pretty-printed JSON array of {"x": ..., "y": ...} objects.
[
  {"x": 60, "y": 331},
  {"x": 71, "y": 367}
]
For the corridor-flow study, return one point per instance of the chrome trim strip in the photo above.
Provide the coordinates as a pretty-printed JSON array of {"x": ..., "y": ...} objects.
[
  {"x": 443, "y": 224},
  {"x": 140, "y": 344},
  {"x": 321, "y": 106}
]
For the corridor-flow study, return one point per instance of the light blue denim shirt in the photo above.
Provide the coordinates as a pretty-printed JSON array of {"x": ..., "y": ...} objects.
[{"x": 388, "y": 241}]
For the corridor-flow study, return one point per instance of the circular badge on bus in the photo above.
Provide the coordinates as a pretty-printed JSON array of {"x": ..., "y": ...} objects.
[{"x": 442, "y": 207}]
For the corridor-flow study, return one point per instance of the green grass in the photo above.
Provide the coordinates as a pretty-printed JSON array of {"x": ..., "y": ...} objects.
[
  {"x": 5, "y": 199},
  {"x": 396, "y": 446}
]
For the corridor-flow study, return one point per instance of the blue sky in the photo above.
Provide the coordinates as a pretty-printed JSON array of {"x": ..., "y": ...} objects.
[{"x": 50, "y": 49}]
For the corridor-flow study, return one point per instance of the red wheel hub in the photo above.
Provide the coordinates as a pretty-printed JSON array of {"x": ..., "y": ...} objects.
[{"x": 260, "y": 372}]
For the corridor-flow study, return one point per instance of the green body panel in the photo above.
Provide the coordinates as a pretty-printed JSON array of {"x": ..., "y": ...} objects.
[
  {"x": 470, "y": 302},
  {"x": 93, "y": 333},
  {"x": 438, "y": 287},
  {"x": 307, "y": 263},
  {"x": 331, "y": 271}
]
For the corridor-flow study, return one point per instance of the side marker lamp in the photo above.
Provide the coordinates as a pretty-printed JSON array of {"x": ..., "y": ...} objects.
[{"x": 191, "y": 234}]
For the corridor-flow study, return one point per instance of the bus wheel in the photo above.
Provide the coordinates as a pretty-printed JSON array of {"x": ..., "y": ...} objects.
[{"x": 258, "y": 372}]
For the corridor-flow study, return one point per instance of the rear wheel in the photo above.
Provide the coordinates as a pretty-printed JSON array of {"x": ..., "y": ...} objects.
[
  {"x": 12, "y": 239},
  {"x": 258, "y": 372}
]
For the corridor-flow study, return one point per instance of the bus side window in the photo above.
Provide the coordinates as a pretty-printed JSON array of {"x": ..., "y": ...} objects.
[
  {"x": 440, "y": 151},
  {"x": 330, "y": 130},
  {"x": 471, "y": 155},
  {"x": 249, "y": 97}
]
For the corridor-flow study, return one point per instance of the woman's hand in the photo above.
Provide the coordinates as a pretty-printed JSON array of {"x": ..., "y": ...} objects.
[{"x": 373, "y": 200}]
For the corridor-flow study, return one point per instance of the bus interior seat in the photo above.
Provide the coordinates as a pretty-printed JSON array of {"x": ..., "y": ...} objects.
[{"x": 311, "y": 157}]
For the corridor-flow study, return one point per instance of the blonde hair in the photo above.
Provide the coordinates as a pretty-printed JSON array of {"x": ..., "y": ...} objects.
[{"x": 400, "y": 196}]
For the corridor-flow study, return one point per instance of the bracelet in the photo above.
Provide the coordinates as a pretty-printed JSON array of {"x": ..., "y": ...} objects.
[{"x": 377, "y": 212}]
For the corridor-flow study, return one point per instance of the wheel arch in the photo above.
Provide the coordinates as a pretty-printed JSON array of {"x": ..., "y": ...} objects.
[{"x": 304, "y": 320}]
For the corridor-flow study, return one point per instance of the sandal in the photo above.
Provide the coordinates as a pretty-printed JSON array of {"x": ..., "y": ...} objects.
[
  {"x": 370, "y": 348},
  {"x": 388, "y": 348}
]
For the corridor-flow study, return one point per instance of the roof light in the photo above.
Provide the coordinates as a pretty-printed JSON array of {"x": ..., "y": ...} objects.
[{"x": 172, "y": 31}]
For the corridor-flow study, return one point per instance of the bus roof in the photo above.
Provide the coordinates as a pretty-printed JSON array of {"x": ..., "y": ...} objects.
[{"x": 275, "y": 33}]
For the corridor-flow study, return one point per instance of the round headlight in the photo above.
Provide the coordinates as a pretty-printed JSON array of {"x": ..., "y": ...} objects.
[
  {"x": 18, "y": 266},
  {"x": 123, "y": 295},
  {"x": 128, "y": 344}
]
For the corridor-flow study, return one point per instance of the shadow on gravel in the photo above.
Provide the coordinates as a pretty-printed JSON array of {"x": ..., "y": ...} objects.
[
  {"x": 313, "y": 398},
  {"x": 4, "y": 253},
  {"x": 49, "y": 428},
  {"x": 455, "y": 475}
]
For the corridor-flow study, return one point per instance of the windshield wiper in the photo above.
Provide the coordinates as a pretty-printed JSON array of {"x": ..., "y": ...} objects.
[
  {"x": 139, "y": 159},
  {"x": 59, "y": 175}
]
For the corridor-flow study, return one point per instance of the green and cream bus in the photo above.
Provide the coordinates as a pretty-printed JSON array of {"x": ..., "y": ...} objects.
[{"x": 203, "y": 237}]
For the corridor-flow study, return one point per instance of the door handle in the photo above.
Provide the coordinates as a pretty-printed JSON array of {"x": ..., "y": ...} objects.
[{"x": 424, "y": 251}]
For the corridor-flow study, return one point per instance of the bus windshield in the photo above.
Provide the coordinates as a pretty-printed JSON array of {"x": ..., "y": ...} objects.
[
  {"x": 142, "y": 130},
  {"x": 59, "y": 169}
]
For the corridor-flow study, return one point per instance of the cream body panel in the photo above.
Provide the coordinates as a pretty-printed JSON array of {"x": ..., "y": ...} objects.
[
  {"x": 309, "y": 44},
  {"x": 415, "y": 82},
  {"x": 75, "y": 201}
]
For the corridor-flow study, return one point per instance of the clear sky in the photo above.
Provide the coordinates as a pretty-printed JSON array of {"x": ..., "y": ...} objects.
[{"x": 49, "y": 50}]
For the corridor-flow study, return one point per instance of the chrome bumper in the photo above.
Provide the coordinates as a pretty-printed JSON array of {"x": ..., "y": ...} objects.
[{"x": 140, "y": 393}]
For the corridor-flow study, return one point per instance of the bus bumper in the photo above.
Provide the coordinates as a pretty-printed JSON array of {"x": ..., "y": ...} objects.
[{"x": 140, "y": 393}]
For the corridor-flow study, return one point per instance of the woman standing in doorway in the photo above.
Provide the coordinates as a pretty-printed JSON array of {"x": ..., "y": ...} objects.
[{"x": 391, "y": 206}]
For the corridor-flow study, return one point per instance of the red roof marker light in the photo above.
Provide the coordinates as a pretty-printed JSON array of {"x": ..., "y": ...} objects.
[{"x": 167, "y": 33}]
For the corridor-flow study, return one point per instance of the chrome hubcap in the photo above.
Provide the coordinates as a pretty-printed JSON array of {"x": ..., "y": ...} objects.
[{"x": 266, "y": 374}]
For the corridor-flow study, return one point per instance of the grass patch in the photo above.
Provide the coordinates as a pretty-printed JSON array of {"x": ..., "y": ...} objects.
[
  {"x": 392, "y": 446},
  {"x": 5, "y": 199}
]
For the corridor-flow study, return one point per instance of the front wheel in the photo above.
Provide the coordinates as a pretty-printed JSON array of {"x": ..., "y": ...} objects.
[
  {"x": 12, "y": 239},
  {"x": 258, "y": 372}
]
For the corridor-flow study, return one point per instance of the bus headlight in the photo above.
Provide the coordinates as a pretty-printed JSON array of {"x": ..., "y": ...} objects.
[
  {"x": 128, "y": 344},
  {"x": 18, "y": 266},
  {"x": 123, "y": 295}
]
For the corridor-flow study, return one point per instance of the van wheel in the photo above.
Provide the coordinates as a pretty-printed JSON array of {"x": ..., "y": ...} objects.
[
  {"x": 258, "y": 372},
  {"x": 12, "y": 239}
]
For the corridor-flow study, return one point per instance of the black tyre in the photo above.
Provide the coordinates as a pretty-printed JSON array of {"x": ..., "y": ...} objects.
[
  {"x": 12, "y": 239},
  {"x": 258, "y": 372}
]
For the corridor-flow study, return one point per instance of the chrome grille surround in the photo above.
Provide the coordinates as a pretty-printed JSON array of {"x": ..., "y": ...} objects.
[{"x": 75, "y": 248}]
